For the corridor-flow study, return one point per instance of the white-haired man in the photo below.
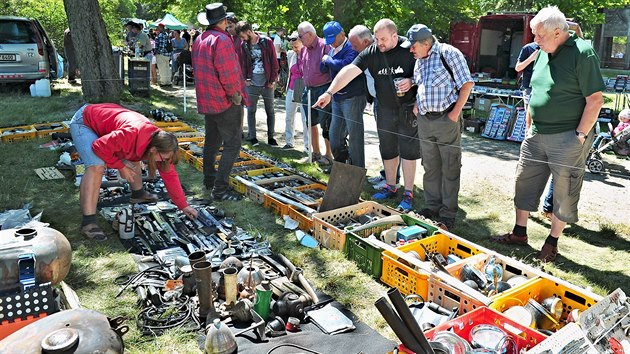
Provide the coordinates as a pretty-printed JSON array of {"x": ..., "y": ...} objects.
[{"x": 566, "y": 98}]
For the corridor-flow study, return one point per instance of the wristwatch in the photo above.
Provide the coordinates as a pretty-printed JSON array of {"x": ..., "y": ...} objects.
[
  {"x": 330, "y": 93},
  {"x": 580, "y": 134}
]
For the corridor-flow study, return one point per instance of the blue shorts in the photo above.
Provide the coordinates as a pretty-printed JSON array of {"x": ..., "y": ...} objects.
[{"x": 83, "y": 137}]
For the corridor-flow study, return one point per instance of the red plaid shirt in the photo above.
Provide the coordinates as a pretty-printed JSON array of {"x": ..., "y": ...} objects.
[{"x": 217, "y": 72}]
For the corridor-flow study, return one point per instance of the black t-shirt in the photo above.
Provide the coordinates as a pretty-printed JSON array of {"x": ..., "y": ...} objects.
[
  {"x": 526, "y": 51},
  {"x": 384, "y": 67}
]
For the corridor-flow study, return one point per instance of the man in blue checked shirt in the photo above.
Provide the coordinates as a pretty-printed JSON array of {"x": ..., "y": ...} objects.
[
  {"x": 163, "y": 56},
  {"x": 444, "y": 84}
]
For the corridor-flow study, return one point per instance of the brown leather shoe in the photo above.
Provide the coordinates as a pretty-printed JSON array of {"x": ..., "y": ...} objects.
[
  {"x": 548, "y": 253},
  {"x": 510, "y": 239}
]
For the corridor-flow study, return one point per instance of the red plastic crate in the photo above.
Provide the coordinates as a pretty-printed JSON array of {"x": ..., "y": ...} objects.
[{"x": 523, "y": 337}]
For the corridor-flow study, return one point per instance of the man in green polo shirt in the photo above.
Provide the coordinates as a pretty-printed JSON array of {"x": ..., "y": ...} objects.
[{"x": 566, "y": 98}]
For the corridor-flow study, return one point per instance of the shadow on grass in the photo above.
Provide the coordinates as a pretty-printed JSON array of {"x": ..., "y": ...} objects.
[{"x": 500, "y": 149}]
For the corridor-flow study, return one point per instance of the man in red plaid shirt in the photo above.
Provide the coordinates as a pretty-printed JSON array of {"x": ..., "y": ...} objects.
[{"x": 220, "y": 93}]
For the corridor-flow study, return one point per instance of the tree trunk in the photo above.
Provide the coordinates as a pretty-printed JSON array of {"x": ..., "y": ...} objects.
[
  {"x": 339, "y": 13},
  {"x": 99, "y": 79}
]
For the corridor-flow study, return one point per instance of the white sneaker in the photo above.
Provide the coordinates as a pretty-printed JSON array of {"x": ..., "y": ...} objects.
[
  {"x": 379, "y": 185},
  {"x": 376, "y": 179}
]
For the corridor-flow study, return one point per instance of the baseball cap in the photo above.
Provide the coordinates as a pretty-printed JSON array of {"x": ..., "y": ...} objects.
[
  {"x": 331, "y": 30},
  {"x": 417, "y": 32}
]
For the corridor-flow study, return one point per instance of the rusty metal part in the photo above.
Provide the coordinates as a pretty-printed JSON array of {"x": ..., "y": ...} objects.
[
  {"x": 203, "y": 276},
  {"x": 71, "y": 331},
  {"x": 299, "y": 276},
  {"x": 49, "y": 247}
]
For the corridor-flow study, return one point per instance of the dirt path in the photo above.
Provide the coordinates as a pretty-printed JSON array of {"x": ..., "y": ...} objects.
[{"x": 485, "y": 164}]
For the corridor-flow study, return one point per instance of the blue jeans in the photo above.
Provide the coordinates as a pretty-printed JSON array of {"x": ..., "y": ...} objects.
[
  {"x": 548, "y": 203},
  {"x": 347, "y": 119},
  {"x": 254, "y": 93},
  {"x": 83, "y": 137}
]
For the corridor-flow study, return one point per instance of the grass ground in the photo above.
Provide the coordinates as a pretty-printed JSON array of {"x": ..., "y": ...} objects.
[{"x": 600, "y": 254}]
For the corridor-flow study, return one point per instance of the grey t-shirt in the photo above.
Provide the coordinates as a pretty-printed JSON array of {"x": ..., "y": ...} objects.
[{"x": 258, "y": 69}]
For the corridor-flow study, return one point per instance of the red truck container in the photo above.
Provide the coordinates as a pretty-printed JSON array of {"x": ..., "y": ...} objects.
[{"x": 493, "y": 43}]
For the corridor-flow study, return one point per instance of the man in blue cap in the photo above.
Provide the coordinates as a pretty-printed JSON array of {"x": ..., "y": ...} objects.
[
  {"x": 348, "y": 103},
  {"x": 444, "y": 84}
]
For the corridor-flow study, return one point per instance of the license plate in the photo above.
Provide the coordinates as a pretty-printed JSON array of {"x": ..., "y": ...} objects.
[{"x": 7, "y": 57}]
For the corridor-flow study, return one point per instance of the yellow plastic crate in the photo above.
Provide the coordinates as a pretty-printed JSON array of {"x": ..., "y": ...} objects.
[
  {"x": 255, "y": 195},
  {"x": 405, "y": 278},
  {"x": 311, "y": 204},
  {"x": 19, "y": 133},
  {"x": 177, "y": 123},
  {"x": 330, "y": 236},
  {"x": 46, "y": 129},
  {"x": 248, "y": 166},
  {"x": 305, "y": 221},
  {"x": 572, "y": 296},
  {"x": 450, "y": 295},
  {"x": 276, "y": 206},
  {"x": 397, "y": 272}
]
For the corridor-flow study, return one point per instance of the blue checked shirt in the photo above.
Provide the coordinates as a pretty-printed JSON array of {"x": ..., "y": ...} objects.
[
  {"x": 436, "y": 89},
  {"x": 160, "y": 44}
]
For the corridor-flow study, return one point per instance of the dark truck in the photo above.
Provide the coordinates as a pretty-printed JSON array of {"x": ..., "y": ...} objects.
[{"x": 492, "y": 45}]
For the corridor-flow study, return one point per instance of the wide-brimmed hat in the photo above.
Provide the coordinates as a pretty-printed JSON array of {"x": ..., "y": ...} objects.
[{"x": 214, "y": 13}]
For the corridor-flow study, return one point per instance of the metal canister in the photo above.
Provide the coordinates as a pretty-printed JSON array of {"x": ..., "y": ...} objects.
[{"x": 47, "y": 250}]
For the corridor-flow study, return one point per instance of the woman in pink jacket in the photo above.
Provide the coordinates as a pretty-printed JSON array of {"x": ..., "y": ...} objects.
[{"x": 109, "y": 135}]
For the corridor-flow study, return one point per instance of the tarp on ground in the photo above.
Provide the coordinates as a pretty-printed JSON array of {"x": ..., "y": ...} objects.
[{"x": 170, "y": 22}]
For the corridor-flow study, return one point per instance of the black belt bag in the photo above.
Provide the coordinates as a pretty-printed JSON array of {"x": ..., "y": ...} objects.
[{"x": 436, "y": 115}]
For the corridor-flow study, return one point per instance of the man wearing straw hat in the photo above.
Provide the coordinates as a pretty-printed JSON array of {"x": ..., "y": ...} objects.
[{"x": 220, "y": 90}]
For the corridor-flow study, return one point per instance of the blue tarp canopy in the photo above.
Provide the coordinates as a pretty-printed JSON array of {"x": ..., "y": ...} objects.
[{"x": 170, "y": 22}]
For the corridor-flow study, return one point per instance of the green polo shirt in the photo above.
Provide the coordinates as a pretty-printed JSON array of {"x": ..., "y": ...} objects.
[{"x": 560, "y": 84}]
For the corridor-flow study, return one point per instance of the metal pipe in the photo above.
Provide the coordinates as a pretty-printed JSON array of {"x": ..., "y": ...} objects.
[
  {"x": 203, "y": 277},
  {"x": 301, "y": 278},
  {"x": 274, "y": 195},
  {"x": 196, "y": 257},
  {"x": 401, "y": 331},
  {"x": 407, "y": 317},
  {"x": 229, "y": 281}
]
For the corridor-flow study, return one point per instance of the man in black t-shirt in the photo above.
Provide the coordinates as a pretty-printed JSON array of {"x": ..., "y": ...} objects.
[
  {"x": 525, "y": 63},
  {"x": 392, "y": 68}
]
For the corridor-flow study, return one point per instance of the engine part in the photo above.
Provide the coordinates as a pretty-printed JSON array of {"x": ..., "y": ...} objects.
[
  {"x": 203, "y": 277},
  {"x": 276, "y": 327},
  {"x": 42, "y": 252},
  {"x": 289, "y": 304},
  {"x": 70, "y": 331},
  {"x": 231, "y": 262},
  {"x": 293, "y": 324},
  {"x": 258, "y": 326},
  {"x": 220, "y": 339},
  {"x": 249, "y": 277},
  {"x": 126, "y": 229},
  {"x": 230, "y": 285},
  {"x": 296, "y": 273}
]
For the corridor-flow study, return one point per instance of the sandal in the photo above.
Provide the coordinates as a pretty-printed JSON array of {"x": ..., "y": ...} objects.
[
  {"x": 146, "y": 197},
  {"x": 93, "y": 232},
  {"x": 510, "y": 239}
]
